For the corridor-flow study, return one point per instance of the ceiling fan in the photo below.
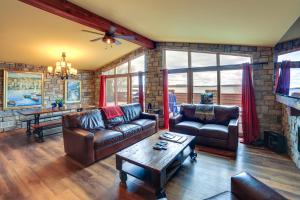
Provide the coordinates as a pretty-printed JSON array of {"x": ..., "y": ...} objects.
[{"x": 110, "y": 37}]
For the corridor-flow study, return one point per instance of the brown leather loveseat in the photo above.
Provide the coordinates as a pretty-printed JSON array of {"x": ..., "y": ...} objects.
[
  {"x": 246, "y": 187},
  {"x": 89, "y": 136},
  {"x": 219, "y": 131}
]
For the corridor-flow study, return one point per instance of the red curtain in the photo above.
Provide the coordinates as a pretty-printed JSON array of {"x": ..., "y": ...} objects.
[
  {"x": 166, "y": 98},
  {"x": 283, "y": 85},
  {"x": 102, "y": 91},
  {"x": 276, "y": 79},
  {"x": 249, "y": 115},
  {"x": 141, "y": 90}
]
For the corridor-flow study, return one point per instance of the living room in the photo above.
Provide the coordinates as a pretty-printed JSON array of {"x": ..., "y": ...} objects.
[{"x": 150, "y": 100}]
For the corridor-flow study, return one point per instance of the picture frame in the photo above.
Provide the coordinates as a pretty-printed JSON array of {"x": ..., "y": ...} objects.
[
  {"x": 23, "y": 90},
  {"x": 72, "y": 91}
]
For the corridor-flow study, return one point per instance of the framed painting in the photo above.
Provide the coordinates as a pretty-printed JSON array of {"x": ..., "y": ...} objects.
[
  {"x": 23, "y": 90},
  {"x": 72, "y": 91}
]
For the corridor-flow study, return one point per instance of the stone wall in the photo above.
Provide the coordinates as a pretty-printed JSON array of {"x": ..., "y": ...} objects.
[
  {"x": 53, "y": 89},
  {"x": 291, "y": 124},
  {"x": 269, "y": 111}
]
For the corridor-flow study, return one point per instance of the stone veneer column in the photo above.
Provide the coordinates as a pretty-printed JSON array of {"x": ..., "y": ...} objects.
[
  {"x": 154, "y": 81},
  {"x": 291, "y": 125}
]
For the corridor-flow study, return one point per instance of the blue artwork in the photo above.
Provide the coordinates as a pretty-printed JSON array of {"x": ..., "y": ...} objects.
[
  {"x": 73, "y": 91},
  {"x": 23, "y": 89}
]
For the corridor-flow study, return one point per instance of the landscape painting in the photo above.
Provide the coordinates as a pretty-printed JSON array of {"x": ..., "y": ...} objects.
[
  {"x": 22, "y": 90},
  {"x": 72, "y": 91}
]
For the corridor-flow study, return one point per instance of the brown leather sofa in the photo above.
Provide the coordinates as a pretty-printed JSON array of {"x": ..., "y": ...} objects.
[
  {"x": 246, "y": 187},
  {"x": 221, "y": 131},
  {"x": 89, "y": 136}
]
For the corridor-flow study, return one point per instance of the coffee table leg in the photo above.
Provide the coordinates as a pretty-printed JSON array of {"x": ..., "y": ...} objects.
[
  {"x": 123, "y": 177},
  {"x": 193, "y": 154},
  {"x": 160, "y": 194}
]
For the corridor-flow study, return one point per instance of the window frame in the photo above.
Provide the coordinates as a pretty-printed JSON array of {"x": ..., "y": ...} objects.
[
  {"x": 128, "y": 75},
  {"x": 190, "y": 69}
]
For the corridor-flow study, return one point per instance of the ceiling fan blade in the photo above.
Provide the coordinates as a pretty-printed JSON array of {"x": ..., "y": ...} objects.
[
  {"x": 94, "y": 40},
  {"x": 125, "y": 37},
  {"x": 92, "y": 32},
  {"x": 117, "y": 42},
  {"x": 112, "y": 30}
]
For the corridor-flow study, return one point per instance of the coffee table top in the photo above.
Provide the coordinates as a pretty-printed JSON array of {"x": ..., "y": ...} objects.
[{"x": 143, "y": 154}]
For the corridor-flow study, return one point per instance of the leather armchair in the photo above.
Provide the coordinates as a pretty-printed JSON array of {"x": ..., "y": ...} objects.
[{"x": 246, "y": 187}]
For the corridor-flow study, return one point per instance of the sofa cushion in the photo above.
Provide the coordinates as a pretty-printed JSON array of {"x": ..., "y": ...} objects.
[
  {"x": 188, "y": 127},
  {"x": 224, "y": 196},
  {"x": 223, "y": 114},
  {"x": 91, "y": 120},
  {"x": 106, "y": 137},
  {"x": 131, "y": 111},
  {"x": 88, "y": 120},
  {"x": 128, "y": 130},
  {"x": 144, "y": 123},
  {"x": 214, "y": 131}
]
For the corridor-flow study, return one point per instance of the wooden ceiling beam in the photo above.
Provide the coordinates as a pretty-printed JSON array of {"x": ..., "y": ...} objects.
[{"x": 80, "y": 15}]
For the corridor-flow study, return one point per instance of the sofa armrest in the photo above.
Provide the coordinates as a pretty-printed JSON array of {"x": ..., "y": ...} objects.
[
  {"x": 175, "y": 120},
  {"x": 245, "y": 186},
  {"x": 79, "y": 144},
  {"x": 233, "y": 133},
  {"x": 152, "y": 117}
]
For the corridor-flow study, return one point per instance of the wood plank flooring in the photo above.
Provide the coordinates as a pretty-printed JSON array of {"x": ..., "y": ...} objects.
[{"x": 30, "y": 170}]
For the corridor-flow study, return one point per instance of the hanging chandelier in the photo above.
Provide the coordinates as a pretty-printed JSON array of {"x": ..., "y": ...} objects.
[{"x": 62, "y": 69}]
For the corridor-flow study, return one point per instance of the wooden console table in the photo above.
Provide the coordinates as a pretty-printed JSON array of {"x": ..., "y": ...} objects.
[{"x": 36, "y": 113}]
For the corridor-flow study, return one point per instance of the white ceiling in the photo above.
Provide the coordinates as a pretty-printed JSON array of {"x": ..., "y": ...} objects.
[
  {"x": 32, "y": 36},
  {"x": 29, "y": 35},
  {"x": 249, "y": 22}
]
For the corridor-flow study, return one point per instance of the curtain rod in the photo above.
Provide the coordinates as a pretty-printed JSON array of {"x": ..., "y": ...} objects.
[
  {"x": 212, "y": 68},
  {"x": 294, "y": 64},
  {"x": 197, "y": 69}
]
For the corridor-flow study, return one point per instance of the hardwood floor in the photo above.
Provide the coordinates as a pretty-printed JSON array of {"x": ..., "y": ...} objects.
[{"x": 30, "y": 170}]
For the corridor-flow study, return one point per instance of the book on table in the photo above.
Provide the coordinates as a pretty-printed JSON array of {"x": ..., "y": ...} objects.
[{"x": 169, "y": 136}]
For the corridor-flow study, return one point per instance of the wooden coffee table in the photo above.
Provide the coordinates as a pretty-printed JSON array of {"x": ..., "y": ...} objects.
[{"x": 153, "y": 166}]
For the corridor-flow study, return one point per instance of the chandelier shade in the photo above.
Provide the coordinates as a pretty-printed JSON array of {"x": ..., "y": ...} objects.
[{"x": 62, "y": 69}]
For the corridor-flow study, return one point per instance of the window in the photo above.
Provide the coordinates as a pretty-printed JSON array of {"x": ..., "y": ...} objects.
[
  {"x": 293, "y": 56},
  {"x": 110, "y": 94},
  {"x": 137, "y": 64},
  {"x": 122, "y": 86},
  {"x": 177, "y": 91},
  {"x": 205, "y": 82},
  {"x": 231, "y": 87},
  {"x": 109, "y": 72},
  {"x": 135, "y": 88},
  {"x": 203, "y": 59},
  {"x": 294, "y": 73},
  {"x": 176, "y": 59},
  {"x": 234, "y": 60},
  {"x": 122, "y": 69}
]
